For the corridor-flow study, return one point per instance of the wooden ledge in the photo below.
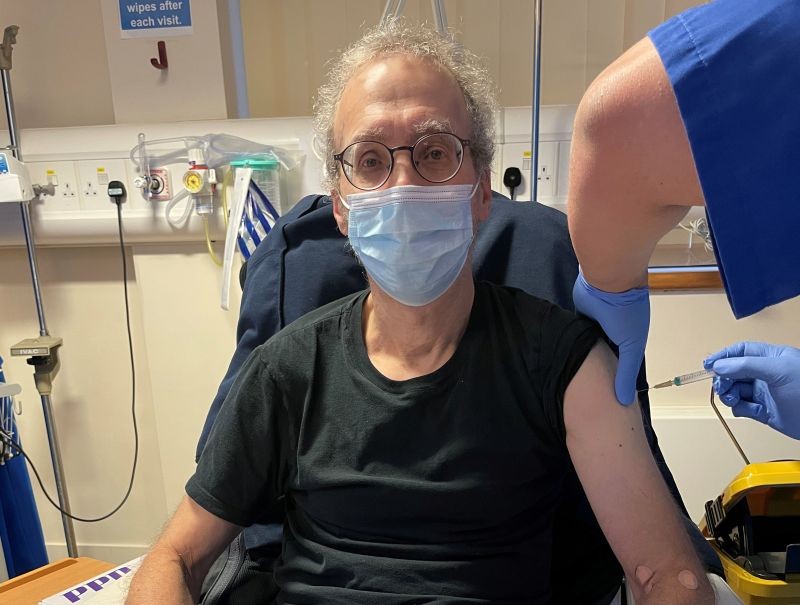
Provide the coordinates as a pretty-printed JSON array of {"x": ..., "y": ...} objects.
[{"x": 685, "y": 280}]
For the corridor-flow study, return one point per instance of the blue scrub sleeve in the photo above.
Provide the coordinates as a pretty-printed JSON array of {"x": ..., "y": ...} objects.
[{"x": 734, "y": 66}]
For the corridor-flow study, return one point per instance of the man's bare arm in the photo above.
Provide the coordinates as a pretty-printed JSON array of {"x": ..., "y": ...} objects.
[
  {"x": 174, "y": 569},
  {"x": 635, "y": 509},
  {"x": 631, "y": 175}
]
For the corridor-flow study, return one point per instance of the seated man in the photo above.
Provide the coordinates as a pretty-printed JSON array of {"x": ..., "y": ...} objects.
[{"x": 415, "y": 436}]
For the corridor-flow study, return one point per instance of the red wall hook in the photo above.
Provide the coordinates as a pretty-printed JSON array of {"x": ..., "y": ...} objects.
[{"x": 161, "y": 62}]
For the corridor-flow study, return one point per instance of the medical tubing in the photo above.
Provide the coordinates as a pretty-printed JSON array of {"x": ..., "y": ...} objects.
[
  {"x": 187, "y": 211},
  {"x": 172, "y": 157},
  {"x": 226, "y": 182},
  {"x": 211, "y": 252},
  {"x": 222, "y": 148},
  {"x": 699, "y": 227},
  {"x": 219, "y": 149},
  {"x": 727, "y": 428}
]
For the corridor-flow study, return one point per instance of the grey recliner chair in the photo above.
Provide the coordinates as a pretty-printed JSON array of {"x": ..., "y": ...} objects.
[{"x": 305, "y": 263}]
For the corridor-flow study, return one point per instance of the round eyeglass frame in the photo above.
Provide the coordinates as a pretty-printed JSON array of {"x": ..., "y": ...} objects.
[{"x": 339, "y": 157}]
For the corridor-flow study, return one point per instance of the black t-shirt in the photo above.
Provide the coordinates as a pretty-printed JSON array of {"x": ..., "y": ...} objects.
[{"x": 440, "y": 489}]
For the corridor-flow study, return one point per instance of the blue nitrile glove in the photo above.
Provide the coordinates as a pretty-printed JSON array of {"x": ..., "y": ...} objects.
[
  {"x": 760, "y": 381},
  {"x": 625, "y": 318}
]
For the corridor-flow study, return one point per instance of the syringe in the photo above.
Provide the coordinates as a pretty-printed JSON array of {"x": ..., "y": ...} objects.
[{"x": 683, "y": 379}]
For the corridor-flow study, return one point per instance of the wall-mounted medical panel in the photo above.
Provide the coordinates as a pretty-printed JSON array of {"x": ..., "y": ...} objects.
[{"x": 79, "y": 163}]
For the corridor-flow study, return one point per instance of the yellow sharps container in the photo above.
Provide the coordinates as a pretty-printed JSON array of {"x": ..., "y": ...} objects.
[{"x": 755, "y": 528}]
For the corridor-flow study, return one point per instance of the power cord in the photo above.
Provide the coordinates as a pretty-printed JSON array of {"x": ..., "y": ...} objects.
[
  {"x": 512, "y": 178},
  {"x": 116, "y": 191}
]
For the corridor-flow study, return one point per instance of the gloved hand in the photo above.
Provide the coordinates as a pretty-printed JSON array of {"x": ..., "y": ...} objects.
[
  {"x": 760, "y": 381},
  {"x": 625, "y": 318}
]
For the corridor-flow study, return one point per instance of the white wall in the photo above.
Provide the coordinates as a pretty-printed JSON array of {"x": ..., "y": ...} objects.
[
  {"x": 82, "y": 291},
  {"x": 191, "y": 88},
  {"x": 71, "y": 67},
  {"x": 685, "y": 328},
  {"x": 59, "y": 75},
  {"x": 288, "y": 44}
]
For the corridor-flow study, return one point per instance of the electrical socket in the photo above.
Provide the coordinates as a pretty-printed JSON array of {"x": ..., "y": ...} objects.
[
  {"x": 519, "y": 155},
  {"x": 63, "y": 176},
  {"x": 546, "y": 171},
  {"x": 94, "y": 176},
  {"x": 545, "y": 179}
]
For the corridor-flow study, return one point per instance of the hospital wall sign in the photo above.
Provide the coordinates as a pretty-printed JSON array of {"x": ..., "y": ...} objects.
[{"x": 155, "y": 19}]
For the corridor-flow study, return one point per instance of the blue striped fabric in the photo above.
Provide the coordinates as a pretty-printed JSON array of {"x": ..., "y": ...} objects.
[
  {"x": 20, "y": 529},
  {"x": 257, "y": 220}
]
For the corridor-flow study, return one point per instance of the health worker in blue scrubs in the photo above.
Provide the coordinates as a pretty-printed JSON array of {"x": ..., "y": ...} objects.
[{"x": 700, "y": 112}]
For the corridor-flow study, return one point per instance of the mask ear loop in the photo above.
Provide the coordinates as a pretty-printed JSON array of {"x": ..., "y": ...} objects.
[
  {"x": 474, "y": 189},
  {"x": 727, "y": 428},
  {"x": 342, "y": 199}
]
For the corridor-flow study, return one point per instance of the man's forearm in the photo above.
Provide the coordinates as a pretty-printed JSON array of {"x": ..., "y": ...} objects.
[
  {"x": 163, "y": 578},
  {"x": 174, "y": 570},
  {"x": 676, "y": 586}
]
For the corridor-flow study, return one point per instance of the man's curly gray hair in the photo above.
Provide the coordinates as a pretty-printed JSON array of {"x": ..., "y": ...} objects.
[{"x": 400, "y": 38}]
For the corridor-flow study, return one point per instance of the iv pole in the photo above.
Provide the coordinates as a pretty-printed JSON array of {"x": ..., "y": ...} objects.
[
  {"x": 42, "y": 351},
  {"x": 537, "y": 79}
]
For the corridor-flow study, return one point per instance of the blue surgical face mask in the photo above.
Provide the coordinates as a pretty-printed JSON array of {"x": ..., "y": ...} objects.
[{"x": 412, "y": 240}]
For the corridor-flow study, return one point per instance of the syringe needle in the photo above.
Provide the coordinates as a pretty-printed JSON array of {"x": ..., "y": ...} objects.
[{"x": 661, "y": 385}]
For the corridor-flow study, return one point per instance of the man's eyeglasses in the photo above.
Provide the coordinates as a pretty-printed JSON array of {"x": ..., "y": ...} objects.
[{"x": 436, "y": 157}]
